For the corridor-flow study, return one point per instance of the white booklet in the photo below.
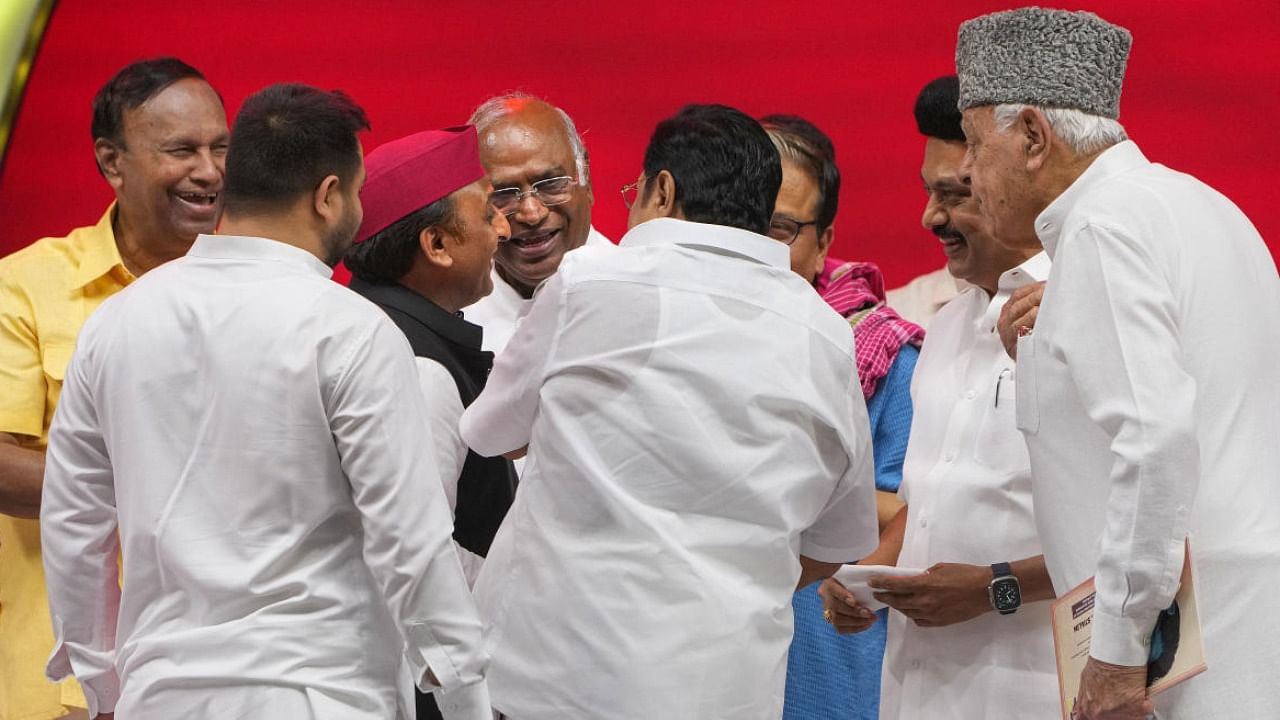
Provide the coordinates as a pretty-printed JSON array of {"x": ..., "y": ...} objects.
[{"x": 855, "y": 577}]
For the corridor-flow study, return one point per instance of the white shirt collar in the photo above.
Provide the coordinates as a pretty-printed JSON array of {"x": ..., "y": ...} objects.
[
  {"x": 720, "y": 238},
  {"x": 1119, "y": 158},
  {"x": 243, "y": 247}
]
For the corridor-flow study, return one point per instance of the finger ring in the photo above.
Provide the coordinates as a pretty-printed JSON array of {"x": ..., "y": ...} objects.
[{"x": 826, "y": 615}]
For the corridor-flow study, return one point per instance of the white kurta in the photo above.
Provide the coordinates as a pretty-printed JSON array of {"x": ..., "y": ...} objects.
[
  {"x": 1150, "y": 399},
  {"x": 253, "y": 430},
  {"x": 444, "y": 406},
  {"x": 967, "y": 484},
  {"x": 498, "y": 311},
  {"x": 693, "y": 428}
]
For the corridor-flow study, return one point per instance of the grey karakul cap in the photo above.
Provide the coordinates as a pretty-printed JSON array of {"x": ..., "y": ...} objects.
[{"x": 1049, "y": 58}]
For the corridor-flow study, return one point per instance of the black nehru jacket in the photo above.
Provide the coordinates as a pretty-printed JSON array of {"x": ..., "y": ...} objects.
[{"x": 487, "y": 485}]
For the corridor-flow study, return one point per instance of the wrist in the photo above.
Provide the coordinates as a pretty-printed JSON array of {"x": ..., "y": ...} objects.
[{"x": 1004, "y": 592}]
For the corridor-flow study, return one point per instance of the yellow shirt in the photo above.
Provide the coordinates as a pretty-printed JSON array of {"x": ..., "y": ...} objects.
[{"x": 47, "y": 290}]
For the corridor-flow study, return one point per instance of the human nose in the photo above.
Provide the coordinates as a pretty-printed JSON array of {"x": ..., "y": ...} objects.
[
  {"x": 965, "y": 172},
  {"x": 530, "y": 210},
  {"x": 934, "y": 215},
  {"x": 502, "y": 226},
  {"x": 209, "y": 167}
]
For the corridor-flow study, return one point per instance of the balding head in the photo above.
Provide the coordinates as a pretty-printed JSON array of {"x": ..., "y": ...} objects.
[{"x": 525, "y": 140}]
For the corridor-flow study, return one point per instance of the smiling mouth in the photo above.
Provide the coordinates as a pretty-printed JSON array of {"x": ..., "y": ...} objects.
[
  {"x": 205, "y": 199},
  {"x": 534, "y": 243}
]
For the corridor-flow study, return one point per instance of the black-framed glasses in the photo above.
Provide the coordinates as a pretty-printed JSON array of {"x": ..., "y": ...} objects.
[
  {"x": 551, "y": 191},
  {"x": 785, "y": 229},
  {"x": 630, "y": 192}
]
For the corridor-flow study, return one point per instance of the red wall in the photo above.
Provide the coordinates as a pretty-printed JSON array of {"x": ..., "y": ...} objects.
[{"x": 1202, "y": 96}]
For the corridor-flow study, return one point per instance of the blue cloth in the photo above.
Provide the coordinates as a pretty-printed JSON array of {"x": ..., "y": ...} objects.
[{"x": 837, "y": 677}]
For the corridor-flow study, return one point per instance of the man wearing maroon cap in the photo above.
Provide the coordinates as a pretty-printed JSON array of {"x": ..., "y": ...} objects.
[{"x": 425, "y": 251}]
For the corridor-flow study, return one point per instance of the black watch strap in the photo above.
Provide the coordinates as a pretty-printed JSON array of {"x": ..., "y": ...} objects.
[{"x": 1000, "y": 569}]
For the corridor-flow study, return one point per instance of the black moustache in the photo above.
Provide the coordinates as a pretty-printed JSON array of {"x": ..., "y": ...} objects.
[{"x": 946, "y": 233}]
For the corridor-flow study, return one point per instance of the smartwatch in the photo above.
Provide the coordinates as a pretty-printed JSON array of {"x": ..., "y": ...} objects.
[{"x": 1004, "y": 592}]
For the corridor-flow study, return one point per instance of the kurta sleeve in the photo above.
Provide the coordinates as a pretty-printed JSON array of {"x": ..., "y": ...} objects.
[
  {"x": 847, "y": 529},
  {"x": 79, "y": 544},
  {"x": 501, "y": 418},
  {"x": 1120, "y": 343},
  {"x": 381, "y": 427}
]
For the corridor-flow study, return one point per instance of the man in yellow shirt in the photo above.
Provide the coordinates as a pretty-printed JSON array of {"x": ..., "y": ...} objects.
[{"x": 160, "y": 139}]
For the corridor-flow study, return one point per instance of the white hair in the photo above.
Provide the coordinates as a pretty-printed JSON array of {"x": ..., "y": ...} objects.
[
  {"x": 498, "y": 107},
  {"x": 1085, "y": 134}
]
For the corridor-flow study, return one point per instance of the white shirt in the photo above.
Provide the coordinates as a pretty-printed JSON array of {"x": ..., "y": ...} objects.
[
  {"x": 252, "y": 429},
  {"x": 444, "y": 407},
  {"x": 498, "y": 311},
  {"x": 1150, "y": 399},
  {"x": 693, "y": 428},
  {"x": 921, "y": 299},
  {"x": 967, "y": 484}
]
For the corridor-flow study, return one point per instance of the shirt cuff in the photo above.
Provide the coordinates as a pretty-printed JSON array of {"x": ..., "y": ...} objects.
[
  {"x": 101, "y": 690},
  {"x": 469, "y": 702},
  {"x": 1120, "y": 640}
]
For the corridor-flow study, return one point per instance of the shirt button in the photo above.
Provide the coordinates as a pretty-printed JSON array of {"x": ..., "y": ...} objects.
[
  {"x": 915, "y": 664},
  {"x": 971, "y": 395},
  {"x": 924, "y": 522},
  {"x": 949, "y": 457}
]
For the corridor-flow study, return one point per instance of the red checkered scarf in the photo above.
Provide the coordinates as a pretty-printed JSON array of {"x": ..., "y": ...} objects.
[{"x": 856, "y": 291}]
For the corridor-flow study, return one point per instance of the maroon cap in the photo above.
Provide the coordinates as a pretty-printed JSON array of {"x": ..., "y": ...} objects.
[{"x": 408, "y": 174}]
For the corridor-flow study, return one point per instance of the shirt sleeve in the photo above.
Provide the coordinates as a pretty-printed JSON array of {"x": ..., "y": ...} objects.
[
  {"x": 379, "y": 422},
  {"x": 501, "y": 418},
  {"x": 22, "y": 381},
  {"x": 1120, "y": 343},
  {"x": 890, "y": 413},
  {"x": 444, "y": 408},
  {"x": 847, "y": 529},
  {"x": 79, "y": 545}
]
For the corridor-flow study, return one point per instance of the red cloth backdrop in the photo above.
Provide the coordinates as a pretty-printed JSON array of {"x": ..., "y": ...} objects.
[{"x": 1202, "y": 96}]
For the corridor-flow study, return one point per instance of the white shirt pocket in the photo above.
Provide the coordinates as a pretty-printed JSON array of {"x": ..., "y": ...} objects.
[{"x": 998, "y": 445}]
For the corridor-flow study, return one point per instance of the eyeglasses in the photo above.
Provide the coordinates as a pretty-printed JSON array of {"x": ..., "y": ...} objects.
[
  {"x": 785, "y": 230},
  {"x": 629, "y": 193},
  {"x": 552, "y": 191}
]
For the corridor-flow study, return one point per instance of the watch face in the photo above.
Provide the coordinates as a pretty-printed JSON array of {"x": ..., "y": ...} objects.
[{"x": 1005, "y": 594}]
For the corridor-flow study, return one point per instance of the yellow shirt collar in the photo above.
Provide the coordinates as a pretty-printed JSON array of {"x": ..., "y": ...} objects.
[{"x": 99, "y": 254}]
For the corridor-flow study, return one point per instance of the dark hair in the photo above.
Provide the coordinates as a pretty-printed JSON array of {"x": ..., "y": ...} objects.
[
  {"x": 726, "y": 169},
  {"x": 388, "y": 254},
  {"x": 936, "y": 112},
  {"x": 286, "y": 139},
  {"x": 803, "y": 143},
  {"x": 129, "y": 88}
]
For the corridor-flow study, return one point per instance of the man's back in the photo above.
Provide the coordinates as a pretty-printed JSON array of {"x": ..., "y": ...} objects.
[
  {"x": 697, "y": 429},
  {"x": 224, "y": 384}
]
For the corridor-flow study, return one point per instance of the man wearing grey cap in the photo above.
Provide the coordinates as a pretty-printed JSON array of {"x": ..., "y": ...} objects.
[{"x": 1149, "y": 411}]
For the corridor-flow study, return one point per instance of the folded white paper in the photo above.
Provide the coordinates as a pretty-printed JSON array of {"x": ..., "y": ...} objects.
[{"x": 855, "y": 577}]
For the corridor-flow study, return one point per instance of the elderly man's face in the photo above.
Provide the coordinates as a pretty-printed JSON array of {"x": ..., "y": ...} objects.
[
  {"x": 522, "y": 148},
  {"x": 952, "y": 214},
  {"x": 170, "y": 166},
  {"x": 995, "y": 168}
]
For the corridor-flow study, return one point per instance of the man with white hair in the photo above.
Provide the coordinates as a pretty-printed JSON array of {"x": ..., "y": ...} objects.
[
  {"x": 1149, "y": 412},
  {"x": 542, "y": 183}
]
